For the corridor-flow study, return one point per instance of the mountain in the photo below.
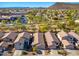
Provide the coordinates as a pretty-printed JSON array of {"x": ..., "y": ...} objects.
[{"x": 62, "y": 5}]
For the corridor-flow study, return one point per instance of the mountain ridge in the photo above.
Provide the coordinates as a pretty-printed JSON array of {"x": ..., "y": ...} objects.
[{"x": 62, "y": 5}]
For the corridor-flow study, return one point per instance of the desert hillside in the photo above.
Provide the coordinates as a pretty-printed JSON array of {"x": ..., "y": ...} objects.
[{"x": 61, "y": 5}]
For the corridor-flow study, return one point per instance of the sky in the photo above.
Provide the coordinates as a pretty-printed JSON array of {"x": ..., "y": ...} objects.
[
  {"x": 28, "y": 4},
  {"x": 25, "y": 4}
]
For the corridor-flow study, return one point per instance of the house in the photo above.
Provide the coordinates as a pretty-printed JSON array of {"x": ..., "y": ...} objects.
[
  {"x": 71, "y": 42},
  {"x": 52, "y": 41},
  {"x": 5, "y": 53},
  {"x": 18, "y": 37},
  {"x": 61, "y": 34},
  {"x": 5, "y": 35},
  {"x": 38, "y": 41},
  {"x": 7, "y": 46},
  {"x": 10, "y": 37},
  {"x": 17, "y": 53},
  {"x": 1, "y": 49},
  {"x": 68, "y": 41},
  {"x": 23, "y": 42},
  {"x": 74, "y": 35},
  {"x": 1, "y": 35}
]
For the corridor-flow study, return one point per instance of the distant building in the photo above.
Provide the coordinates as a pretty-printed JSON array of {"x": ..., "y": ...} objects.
[
  {"x": 13, "y": 17},
  {"x": 23, "y": 20}
]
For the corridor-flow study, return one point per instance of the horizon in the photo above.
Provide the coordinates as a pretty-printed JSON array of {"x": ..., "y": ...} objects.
[{"x": 29, "y": 4}]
